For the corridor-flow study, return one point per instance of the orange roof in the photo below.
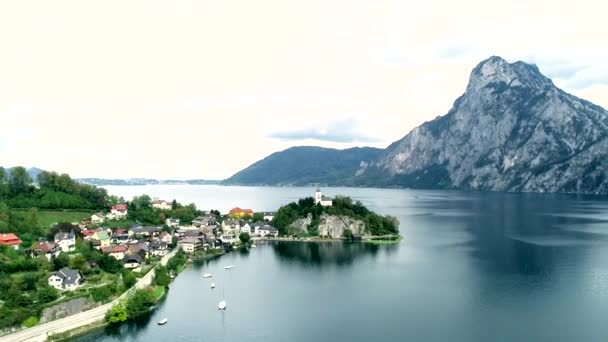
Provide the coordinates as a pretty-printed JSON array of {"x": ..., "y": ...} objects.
[
  {"x": 9, "y": 239},
  {"x": 114, "y": 249},
  {"x": 238, "y": 210},
  {"x": 45, "y": 246}
]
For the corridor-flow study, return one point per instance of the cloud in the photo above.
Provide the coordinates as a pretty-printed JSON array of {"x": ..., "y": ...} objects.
[{"x": 340, "y": 131}]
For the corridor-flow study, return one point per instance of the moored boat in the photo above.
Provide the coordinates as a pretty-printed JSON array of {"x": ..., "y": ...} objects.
[
  {"x": 207, "y": 275},
  {"x": 222, "y": 305},
  {"x": 163, "y": 321},
  {"x": 212, "y": 286}
]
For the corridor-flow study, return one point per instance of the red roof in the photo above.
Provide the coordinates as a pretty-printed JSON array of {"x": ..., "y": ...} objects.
[
  {"x": 45, "y": 246},
  {"x": 9, "y": 239},
  {"x": 114, "y": 249},
  {"x": 86, "y": 232},
  {"x": 120, "y": 231},
  {"x": 238, "y": 210},
  {"x": 119, "y": 207}
]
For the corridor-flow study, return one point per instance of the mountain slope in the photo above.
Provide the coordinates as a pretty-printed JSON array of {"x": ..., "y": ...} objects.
[
  {"x": 304, "y": 165},
  {"x": 512, "y": 130}
]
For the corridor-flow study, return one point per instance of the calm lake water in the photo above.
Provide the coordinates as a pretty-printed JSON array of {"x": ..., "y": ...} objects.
[{"x": 472, "y": 267}]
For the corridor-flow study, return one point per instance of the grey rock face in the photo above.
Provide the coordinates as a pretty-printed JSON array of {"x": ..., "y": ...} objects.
[
  {"x": 512, "y": 130},
  {"x": 333, "y": 226}
]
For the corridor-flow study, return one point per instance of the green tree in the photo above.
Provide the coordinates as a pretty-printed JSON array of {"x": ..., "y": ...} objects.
[
  {"x": 3, "y": 185},
  {"x": 128, "y": 279},
  {"x": 47, "y": 294},
  {"x": 140, "y": 302},
  {"x": 245, "y": 238},
  {"x": 161, "y": 276},
  {"x": 117, "y": 314},
  {"x": 5, "y": 217},
  {"x": 79, "y": 262},
  {"x": 19, "y": 181},
  {"x": 109, "y": 264},
  {"x": 347, "y": 234},
  {"x": 257, "y": 217},
  {"x": 61, "y": 261},
  {"x": 173, "y": 204}
]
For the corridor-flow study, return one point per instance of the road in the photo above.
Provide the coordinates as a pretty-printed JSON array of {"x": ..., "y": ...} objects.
[{"x": 40, "y": 332}]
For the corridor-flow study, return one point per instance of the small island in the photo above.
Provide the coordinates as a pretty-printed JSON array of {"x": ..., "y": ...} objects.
[{"x": 321, "y": 217}]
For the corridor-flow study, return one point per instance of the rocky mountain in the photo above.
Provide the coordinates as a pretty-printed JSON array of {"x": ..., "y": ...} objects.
[
  {"x": 144, "y": 181},
  {"x": 512, "y": 130},
  {"x": 304, "y": 165}
]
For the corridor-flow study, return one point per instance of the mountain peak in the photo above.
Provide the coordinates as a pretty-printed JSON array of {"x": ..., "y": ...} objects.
[{"x": 496, "y": 70}]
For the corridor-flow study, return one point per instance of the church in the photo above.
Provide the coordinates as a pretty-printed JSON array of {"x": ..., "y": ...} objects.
[{"x": 321, "y": 199}]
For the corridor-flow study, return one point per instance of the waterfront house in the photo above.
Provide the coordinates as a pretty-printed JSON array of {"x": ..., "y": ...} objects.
[
  {"x": 239, "y": 213},
  {"x": 230, "y": 239},
  {"x": 269, "y": 215},
  {"x": 118, "y": 252},
  {"x": 161, "y": 204},
  {"x": 322, "y": 199},
  {"x": 190, "y": 244},
  {"x": 158, "y": 248},
  {"x": 266, "y": 230},
  {"x": 231, "y": 225},
  {"x": 48, "y": 249},
  {"x": 65, "y": 279},
  {"x": 119, "y": 211},
  {"x": 172, "y": 222},
  {"x": 10, "y": 239},
  {"x": 245, "y": 228},
  {"x": 66, "y": 241},
  {"x": 98, "y": 218},
  {"x": 132, "y": 262}
]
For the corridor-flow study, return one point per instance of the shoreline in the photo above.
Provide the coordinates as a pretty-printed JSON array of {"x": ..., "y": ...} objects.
[{"x": 375, "y": 240}]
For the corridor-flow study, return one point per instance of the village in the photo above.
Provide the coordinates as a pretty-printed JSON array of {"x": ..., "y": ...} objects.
[{"x": 138, "y": 245}]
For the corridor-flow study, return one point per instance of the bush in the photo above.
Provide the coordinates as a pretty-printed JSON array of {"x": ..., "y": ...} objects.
[{"x": 31, "y": 321}]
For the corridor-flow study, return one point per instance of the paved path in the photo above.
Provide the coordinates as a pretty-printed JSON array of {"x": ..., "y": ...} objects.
[{"x": 40, "y": 332}]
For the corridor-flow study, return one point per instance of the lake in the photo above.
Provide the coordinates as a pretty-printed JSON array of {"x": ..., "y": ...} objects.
[{"x": 472, "y": 267}]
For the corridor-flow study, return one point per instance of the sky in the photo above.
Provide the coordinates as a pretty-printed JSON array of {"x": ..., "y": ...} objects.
[{"x": 200, "y": 89}]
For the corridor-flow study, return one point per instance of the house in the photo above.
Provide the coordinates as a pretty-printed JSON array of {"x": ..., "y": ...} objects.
[
  {"x": 239, "y": 213},
  {"x": 231, "y": 225},
  {"x": 204, "y": 221},
  {"x": 118, "y": 252},
  {"x": 65, "y": 279},
  {"x": 266, "y": 230},
  {"x": 88, "y": 234},
  {"x": 10, "y": 239},
  {"x": 145, "y": 231},
  {"x": 132, "y": 261},
  {"x": 166, "y": 237},
  {"x": 119, "y": 211},
  {"x": 322, "y": 199},
  {"x": 48, "y": 249},
  {"x": 103, "y": 237},
  {"x": 117, "y": 239},
  {"x": 98, "y": 218},
  {"x": 245, "y": 228},
  {"x": 159, "y": 248},
  {"x": 229, "y": 239},
  {"x": 190, "y": 244},
  {"x": 161, "y": 204},
  {"x": 140, "y": 249},
  {"x": 66, "y": 241},
  {"x": 172, "y": 222},
  {"x": 268, "y": 215}
]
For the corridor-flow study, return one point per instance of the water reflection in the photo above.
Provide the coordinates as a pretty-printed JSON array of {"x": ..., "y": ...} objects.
[{"x": 328, "y": 253}]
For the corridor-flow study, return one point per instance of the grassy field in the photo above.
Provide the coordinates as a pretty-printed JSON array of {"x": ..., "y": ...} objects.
[
  {"x": 159, "y": 292},
  {"x": 48, "y": 218}
]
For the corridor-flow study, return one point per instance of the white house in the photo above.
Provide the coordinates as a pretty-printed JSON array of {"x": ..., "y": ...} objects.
[
  {"x": 172, "y": 222},
  {"x": 246, "y": 228},
  {"x": 48, "y": 249},
  {"x": 321, "y": 199},
  {"x": 190, "y": 244},
  {"x": 266, "y": 230},
  {"x": 98, "y": 218},
  {"x": 159, "y": 249},
  {"x": 119, "y": 211},
  {"x": 229, "y": 238},
  {"x": 118, "y": 252},
  {"x": 231, "y": 225},
  {"x": 268, "y": 215},
  {"x": 161, "y": 204},
  {"x": 132, "y": 262},
  {"x": 65, "y": 279},
  {"x": 66, "y": 241}
]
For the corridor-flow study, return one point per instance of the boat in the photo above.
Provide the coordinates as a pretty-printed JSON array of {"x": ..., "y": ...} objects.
[
  {"x": 207, "y": 275},
  {"x": 253, "y": 246},
  {"x": 163, "y": 321},
  {"x": 228, "y": 267},
  {"x": 212, "y": 286},
  {"x": 222, "y": 305}
]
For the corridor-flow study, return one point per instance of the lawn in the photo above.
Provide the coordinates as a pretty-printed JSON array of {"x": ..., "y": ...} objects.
[
  {"x": 159, "y": 292},
  {"x": 48, "y": 218}
]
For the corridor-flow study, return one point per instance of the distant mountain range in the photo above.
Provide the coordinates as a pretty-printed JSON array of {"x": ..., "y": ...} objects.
[
  {"x": 304, "y": 165},
  {"x": 144, "y": 181},
  {"x": 512, "y": 130}
]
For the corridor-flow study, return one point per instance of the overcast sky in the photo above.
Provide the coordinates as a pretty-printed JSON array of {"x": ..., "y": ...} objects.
[{"x": 201, "y": 89}]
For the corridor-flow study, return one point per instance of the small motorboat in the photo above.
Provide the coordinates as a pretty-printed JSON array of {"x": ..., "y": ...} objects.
[
  {"x": 212, "y": 286},
  {"x": 207, "y": 275},
  {"x": 228, "y": 267},
  {"x": 163, "y": 321},
  {"x": 222, "y": 305},
  {"x": 253, "y": 246}
]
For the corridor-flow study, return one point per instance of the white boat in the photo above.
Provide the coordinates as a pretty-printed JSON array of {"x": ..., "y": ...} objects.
[
  {"x": 163, "y": 321},
  {"x": 228, "y": 267},
  {"x": 207, "y": 275},
  {"x": 222, "y": 305},
  {"x": 212, "y": 286},
  {"x": 253, "y": 246}
]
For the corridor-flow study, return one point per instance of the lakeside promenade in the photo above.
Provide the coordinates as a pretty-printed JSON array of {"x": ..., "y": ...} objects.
[{"x": 41, "y": 332}]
